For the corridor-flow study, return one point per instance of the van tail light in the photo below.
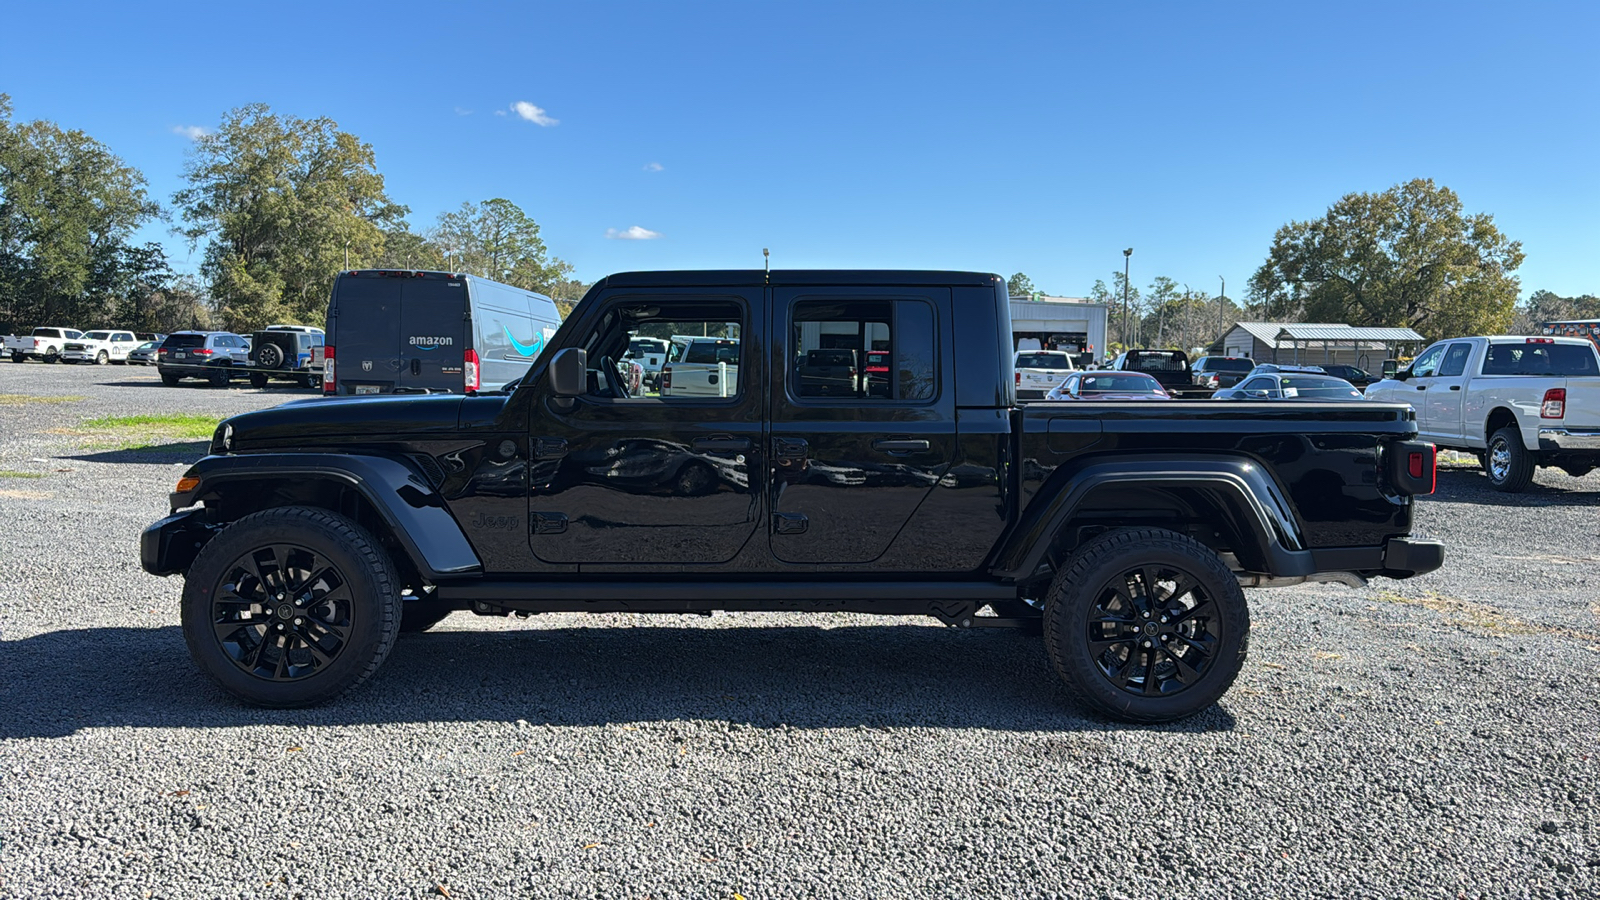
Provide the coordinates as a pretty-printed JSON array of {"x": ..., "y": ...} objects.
[
  {"x": 330, "y": 384},
  {"x": 1414, "y": 467},
  {"x": 1554, "y": 405},
  {"x": 469, "y": 369}
]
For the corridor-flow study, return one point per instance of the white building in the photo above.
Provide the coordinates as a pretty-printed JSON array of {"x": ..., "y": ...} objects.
[{"x": 1062, "y": 323}]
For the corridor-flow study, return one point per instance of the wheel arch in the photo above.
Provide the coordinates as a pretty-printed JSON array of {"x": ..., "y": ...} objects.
[
  {"x": 1229, "y": 503},
  {"x": 385, "y": 495},
  {"x": 1504, "y": 417}
]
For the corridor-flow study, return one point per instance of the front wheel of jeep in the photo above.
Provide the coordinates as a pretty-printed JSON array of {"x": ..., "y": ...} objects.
[{"x": 291, "y": 607}]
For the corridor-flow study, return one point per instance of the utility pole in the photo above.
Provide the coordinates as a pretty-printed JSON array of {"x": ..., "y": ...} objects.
[
  {"x": 1222, "y": 312},
  {"x": 1188, "y": 344},
  {"x": 1126, "y": 254}
]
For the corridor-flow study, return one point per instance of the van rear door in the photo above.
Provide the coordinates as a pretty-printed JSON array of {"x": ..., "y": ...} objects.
[{"x": 433, "y": 324}]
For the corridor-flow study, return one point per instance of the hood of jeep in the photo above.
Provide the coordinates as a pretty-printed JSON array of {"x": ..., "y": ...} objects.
[{"x": 326, "y": 423}]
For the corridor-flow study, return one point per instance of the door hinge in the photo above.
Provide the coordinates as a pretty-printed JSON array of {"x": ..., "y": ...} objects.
[
  {"x": 789, "y": 523},
  {"x": 548, "y": 523}
]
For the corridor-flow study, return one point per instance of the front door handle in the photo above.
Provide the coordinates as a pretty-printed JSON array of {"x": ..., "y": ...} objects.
[
  {"x": 900, "y": 445},
  {"x": 790, "y": 448},
  {"x": 721, "y": 442},
  {"x": 1422, "y": 387},
  {"x": 1455, "y": 387}
]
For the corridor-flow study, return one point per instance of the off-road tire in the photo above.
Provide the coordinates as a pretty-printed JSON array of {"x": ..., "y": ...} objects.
[
  {"x": 1075, "y": 599},
  {"x": 269, "y": 356},
  {"x": 1508, "y": 464},
  {"x": 334, "y": 542}
]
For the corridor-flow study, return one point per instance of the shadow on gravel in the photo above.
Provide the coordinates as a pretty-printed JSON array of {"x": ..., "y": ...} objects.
[
  {"x": 177, "y": 452},
  {"x": 60, "y": 682},
  {"x": 1472, "y": 486}
]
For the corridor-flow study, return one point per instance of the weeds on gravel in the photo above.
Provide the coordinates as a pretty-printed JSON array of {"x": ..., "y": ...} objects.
[
  {"x": 1479, "y": 616},
  {"x": 165, "y": 432},
  {"x": 7, "y": 473},
  {"x": 26, "y": 399}
]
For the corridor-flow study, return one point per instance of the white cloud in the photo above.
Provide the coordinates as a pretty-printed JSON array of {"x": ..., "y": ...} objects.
[
  {"x": 632, "y": 233},
  {"x": 192, "y": 132},
  {"x": 653, "y": 167},
  {"x": 533, "y": 114},
  {"x": 463, "y": 112},
  {"x": 499, "y": 112}
]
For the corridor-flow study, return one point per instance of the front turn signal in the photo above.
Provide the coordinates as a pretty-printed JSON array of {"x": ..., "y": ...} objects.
[{"x": 186, "y": 484}]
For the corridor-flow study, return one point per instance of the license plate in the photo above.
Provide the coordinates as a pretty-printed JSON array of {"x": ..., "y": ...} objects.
[
  {"x": 177, "y": 354},
  {"x": 366, "y": 389}
]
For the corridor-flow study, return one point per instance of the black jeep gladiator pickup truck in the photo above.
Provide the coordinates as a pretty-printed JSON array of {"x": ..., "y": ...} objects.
[{"x": 314, "y": 532}]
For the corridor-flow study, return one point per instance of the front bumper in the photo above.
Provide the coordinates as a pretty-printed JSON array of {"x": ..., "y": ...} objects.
[
  {"x": 1406, "y": 557},
  {"x": 169, "y": 546},
  {"x": 1563, "y": 440}
]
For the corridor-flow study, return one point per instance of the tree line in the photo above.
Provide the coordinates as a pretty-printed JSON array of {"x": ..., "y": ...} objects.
[
  {"x": 280, "y": 205},
  {"x": 1406, "y": 257}
]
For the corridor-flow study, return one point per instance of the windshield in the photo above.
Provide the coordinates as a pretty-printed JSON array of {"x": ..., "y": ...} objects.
[
  {"x": 1318, "y": 388},
  {"x": 1157, "y": 360},
  {"x": 712, "y": 352},
  {"x": 1043, "y": 361},
  {"x": 147, "y": 345},
  {"x": 1119, "y": 383}
]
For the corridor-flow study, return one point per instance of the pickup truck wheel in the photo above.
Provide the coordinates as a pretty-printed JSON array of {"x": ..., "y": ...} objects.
[
  {"x": 291, "y": 607},
  {"x": 1146, "y": 625},
  {"x": 1509, "y": 464},
  {"x": 52, "y": 355},
  {"x": 102, "y": 358},
  {"x": 18, "y": 357}
]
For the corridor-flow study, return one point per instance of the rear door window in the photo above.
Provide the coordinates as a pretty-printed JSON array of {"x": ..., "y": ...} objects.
[{"x": 873, "y": 350}]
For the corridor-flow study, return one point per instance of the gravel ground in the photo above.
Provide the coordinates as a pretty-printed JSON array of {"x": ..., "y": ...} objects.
[{"x": 1430, "y": 738}]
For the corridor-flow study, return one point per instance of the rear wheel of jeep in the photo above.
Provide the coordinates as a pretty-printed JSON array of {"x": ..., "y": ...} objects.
[
  {"x": 269, "y": 356},
  {"x": 258, "y": 381},
  {"x": 291, "y": 607},
  {"x": 1146, "y": 625}
]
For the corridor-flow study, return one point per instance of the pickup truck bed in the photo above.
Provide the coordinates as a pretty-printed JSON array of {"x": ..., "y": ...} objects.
[{"x": 1124, "y": 532}]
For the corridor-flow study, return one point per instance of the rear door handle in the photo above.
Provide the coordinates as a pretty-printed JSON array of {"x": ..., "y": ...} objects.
[
  {"x": 899, "y": 445},
  {"x": 721, "y": 442},
  {"x": 1422, "y": 387}
]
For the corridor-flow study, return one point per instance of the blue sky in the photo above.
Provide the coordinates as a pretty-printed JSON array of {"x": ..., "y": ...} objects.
[{"x": 1034, "y": 137}]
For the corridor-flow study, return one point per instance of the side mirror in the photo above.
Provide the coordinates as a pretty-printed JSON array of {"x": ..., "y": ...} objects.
[
  {"x": 1256, "y": 395},
  {"x": 569, "y": 373},
  {"x": 1390, "y": 367},
  {"x": 1402, "y": 374}
]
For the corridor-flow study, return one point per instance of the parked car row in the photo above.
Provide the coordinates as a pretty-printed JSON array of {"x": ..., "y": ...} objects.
[{"x": 53, "y": 344}]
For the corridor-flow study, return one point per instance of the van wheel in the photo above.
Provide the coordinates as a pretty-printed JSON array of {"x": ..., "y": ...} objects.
[
  {"x": 1146, "y": 625},
  {"x": 291, "y": 607},
  {"x": 1509, "y": 464}
]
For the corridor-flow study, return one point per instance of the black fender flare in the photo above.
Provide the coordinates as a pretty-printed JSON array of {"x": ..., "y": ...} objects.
[
  {"x": 1253, "y": 499},
  {"x": 408, "y": 504}
]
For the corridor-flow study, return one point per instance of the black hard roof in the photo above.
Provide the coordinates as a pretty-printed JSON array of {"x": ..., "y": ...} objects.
[{"x": 786, "y": 277}]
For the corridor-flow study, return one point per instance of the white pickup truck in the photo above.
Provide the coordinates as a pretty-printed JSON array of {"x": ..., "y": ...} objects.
[
  {"x": 100, "y": 347},
  {"x": 1517, "y": 402},
  {"x": 701, "y": 367},
  {"x": 45, "y": 343}
]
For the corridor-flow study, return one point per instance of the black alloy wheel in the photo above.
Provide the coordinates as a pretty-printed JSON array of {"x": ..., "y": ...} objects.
[
  {"x": 52, "y": 355},
  {"x": 290, "y": 607},
  {"x": 1146, "y": 625},
  {"x": 218, "y": 377},
  {"x": 269, "y": 356}
]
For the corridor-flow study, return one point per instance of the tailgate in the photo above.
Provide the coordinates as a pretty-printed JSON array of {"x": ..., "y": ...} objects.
[{"x": 1583, "y": 404}]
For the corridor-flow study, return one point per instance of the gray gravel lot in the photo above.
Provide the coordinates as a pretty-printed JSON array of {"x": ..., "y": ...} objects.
[{"x": 1431, "y": 738}]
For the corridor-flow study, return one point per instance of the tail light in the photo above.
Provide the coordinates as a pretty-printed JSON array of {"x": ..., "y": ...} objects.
[
  {"x": 1019, "y": 379},
  {"x": 469, "y": 369},
  {"x": 202, "y": 352},
  {"x": 1554, "y": 405},
  {"x": 1414, "y": 467},
  {"x": 666, "y": 379},
  {"x": 162, "y": 351},
  {"x": 330, "y": 385}
]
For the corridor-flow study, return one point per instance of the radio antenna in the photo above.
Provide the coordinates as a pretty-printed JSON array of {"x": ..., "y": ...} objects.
[{"x": 766, "y": 256}]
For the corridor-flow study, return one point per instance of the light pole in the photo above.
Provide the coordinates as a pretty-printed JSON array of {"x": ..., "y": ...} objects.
[
  {"x": 1222, "y": 312},
  {"x": 1126, "y": 255}
]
